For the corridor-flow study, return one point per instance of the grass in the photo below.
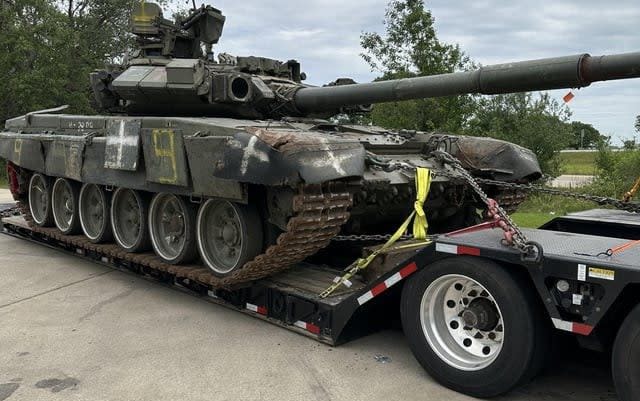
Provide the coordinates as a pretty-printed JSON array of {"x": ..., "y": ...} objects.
[
  {"x": 539, "y": 209},
  {"x": 578, "y": 163},
  {"x": 531, "y": 219}
]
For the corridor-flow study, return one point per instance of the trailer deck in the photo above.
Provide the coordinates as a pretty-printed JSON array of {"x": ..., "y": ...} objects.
[{"x": 290, "y": 299}]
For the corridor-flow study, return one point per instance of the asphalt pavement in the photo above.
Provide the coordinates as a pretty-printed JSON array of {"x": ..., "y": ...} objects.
[{"x": 76, "y": 330}]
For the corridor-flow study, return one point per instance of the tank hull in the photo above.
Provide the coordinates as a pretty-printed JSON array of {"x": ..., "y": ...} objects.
[{"x": 224, "y": 158}]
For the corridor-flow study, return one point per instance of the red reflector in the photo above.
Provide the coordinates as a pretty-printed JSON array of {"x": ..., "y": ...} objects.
[
  {"x": 378, "y": 289},
  {"x": 408, "y": 269},
  {"x": 583, "y": 329},
  {"x": 312, "y": 328},
  {"x": 467, "y": 250}
]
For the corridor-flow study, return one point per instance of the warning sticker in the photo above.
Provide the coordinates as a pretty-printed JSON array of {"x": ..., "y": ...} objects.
[
  {"x": 603, "y": 274},
  {"x": 582, "y": 272}
]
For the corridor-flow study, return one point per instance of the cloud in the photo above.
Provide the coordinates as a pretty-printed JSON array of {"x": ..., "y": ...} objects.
[{"x": 324, "y": 35}]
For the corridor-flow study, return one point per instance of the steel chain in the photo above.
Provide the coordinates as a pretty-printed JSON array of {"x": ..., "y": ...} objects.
[
  {"x": 633, "y": 207},
  {"x": 520, "y": 240},
  {"x": 600, "y": 200},
  {"x": 473, "y": 181},
  {"x": 371, "y": 237}
]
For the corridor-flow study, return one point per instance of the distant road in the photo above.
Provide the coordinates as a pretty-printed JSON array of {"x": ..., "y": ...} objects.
[
  {"x": 572, "y": 181},
  {"x": 587, "y": 150}
]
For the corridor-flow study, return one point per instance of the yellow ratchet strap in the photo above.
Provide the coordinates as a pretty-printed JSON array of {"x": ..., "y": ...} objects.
[{"x": 420, "y": 226}]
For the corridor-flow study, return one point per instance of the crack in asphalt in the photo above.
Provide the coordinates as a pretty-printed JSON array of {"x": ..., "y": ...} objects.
[{"x": 54, "y": 289}]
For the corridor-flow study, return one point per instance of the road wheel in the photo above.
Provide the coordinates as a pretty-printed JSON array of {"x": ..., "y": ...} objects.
[
  {"x": 172, "y": 223},
  {"x": 64, "y": 205},
  {"x": 473, "y": 326},
  {"x": 40, "y": 200},
  {"x": 129, "y": 210},
  {"x": 626, "y": 358},
  {"x": 94, "y": 213},
  {"x": 229, "y": 235}
]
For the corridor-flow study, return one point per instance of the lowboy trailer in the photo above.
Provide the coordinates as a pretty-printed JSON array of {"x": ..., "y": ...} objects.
[{"x": 478, "y": 317}]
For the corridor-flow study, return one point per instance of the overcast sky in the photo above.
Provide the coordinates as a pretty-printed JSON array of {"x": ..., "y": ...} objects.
[{"x": 324, "y": 36}]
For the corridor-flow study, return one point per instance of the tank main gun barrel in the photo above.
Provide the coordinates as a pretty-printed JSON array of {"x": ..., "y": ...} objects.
[{"x": 535, "y": 75}]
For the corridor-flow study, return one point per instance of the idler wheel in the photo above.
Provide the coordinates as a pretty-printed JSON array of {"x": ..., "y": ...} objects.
[
  {"x": 94, "y": 213},
  {"x": 129, "y": 210},
  {"x": 172, "y": 228},
  {"x": 40, "y": 200},
  {"x": 229, "y": 235},
  {"x": 64, "y": 202}
]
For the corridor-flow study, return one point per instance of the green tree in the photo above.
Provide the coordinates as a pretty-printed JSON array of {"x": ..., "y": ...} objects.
[
  {"x": 629, "y": 144},
  {"x": 35, "y": 42},
  {"x": 585, "y": 135},
  {"x": 637, "y": 124},
  {"x": 538, "y": 123},
  {"x": 410, "y": 47}
]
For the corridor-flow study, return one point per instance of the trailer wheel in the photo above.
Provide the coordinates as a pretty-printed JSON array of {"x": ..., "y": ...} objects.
[
  {"x": 626, "y": 358},
  {"x": 473, "y": 326}
]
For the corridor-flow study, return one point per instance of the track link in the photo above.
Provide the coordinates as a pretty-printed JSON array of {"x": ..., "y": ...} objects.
[{"x": 318, "y": 215}]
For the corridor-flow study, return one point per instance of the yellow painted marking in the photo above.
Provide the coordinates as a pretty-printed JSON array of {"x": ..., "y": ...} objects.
[{"x": 165, "y": 150}]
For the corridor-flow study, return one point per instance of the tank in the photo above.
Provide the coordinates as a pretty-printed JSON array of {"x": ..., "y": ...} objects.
[{"x": 235, "y": 162}]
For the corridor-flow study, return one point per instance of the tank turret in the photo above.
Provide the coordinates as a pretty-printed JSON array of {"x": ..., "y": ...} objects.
[{"x": 169, "y": 73}]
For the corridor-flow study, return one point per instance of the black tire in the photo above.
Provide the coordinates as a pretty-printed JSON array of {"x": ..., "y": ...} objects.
[
  {"x": 142, "y": 241},
  {"x": 626, "y": 358},
  {"x": 72, "y": 226},
  {"x": 44, "y": 219},
  {"x": 250, "y": 231},
  {"x": 526, "y": 335},
  {"x": 104, "y": 233},
  {"x": 188, "y": 251}
]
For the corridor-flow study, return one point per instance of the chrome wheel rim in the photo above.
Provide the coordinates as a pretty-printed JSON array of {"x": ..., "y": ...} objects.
[
  {"x": 93, "y": 216},
  {"x": 220, "y": 236},
  {"x": 63, "y": 204},
  {"x": 462, "y": 322},
  {"x": 126, "y": 217},
  {"x": 38, "y": 198},
  {"x": 167, "y": 225}
]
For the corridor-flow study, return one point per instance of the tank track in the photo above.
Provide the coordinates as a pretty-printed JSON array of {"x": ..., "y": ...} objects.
[
  {"x": 510, "y": 199},
  {"x": 319, "y": 213}
]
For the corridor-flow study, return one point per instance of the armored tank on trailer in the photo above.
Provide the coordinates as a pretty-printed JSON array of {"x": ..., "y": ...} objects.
[{"x": 235, "y": 163}]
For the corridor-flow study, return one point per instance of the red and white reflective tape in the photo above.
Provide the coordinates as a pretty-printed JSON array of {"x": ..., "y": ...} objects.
[
  {"x": 257, "y": 309},
  {"x": 572, "y": 327},
  {"x": 382, "y": 287},
  {"x": 457, "y": 249},
  {"x": 311, "y": 328}
]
